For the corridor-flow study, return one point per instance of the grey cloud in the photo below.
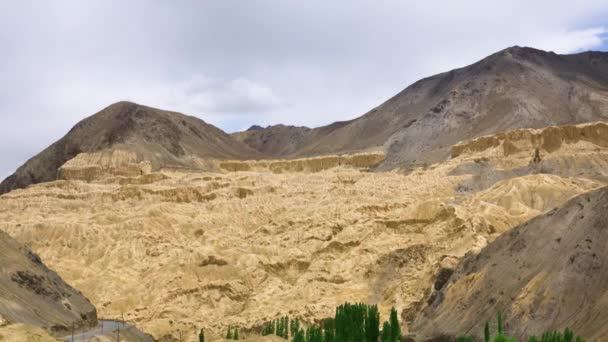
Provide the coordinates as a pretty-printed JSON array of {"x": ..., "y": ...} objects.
[
  {"x": 212, "y": 96},
  {"x": 236, "y": 63}
]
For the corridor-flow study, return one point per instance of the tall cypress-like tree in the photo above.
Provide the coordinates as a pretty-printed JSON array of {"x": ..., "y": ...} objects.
[
  {"x": 329, "y": 331},
  {"x": 201, "y": 335},
  {"x": 236, "y": 333},
  {"x": 499, "y": 323},
  {"x": 286, "y": 327},
  {"x": 295, "y": 327},
  {"x": 314, "y": 334},
  {"x": 229, "y": 333},
  {"x": 372, "y": 324},
  {"x": 299, "y": 336},
  {"x": 395, "y": 327},
  {"x": 486, "y": 332},
  {"x": 386, "y": 332}
]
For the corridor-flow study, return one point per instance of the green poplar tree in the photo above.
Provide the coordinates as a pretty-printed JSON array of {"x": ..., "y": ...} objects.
[
  {"x": 499, "y": 323},
  {"x": 201, "y": 335},
  {"x": 292, "y": 327},
  {"x": 486, "y": 332},
  {"x": 299, "y": 336},
  {"x": 395, "y": 328},
  {"x": 372, "y": 324},
  {"x": 236, "y": 333},
  {"x": 229, "y": 333},
  {"x": 314, "y": 334},
  {"x": 286, "y": 327},
  {"x": 329, "y": 331},
  {"x": 386, "y": 332}
]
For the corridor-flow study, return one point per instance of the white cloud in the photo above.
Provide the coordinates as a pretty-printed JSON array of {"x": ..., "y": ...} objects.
[
  {"x": 573, "y": 41},
  {"x": 203, "y": 95}
]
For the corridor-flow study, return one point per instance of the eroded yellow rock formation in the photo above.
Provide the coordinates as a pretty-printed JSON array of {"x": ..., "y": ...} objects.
[
  {"x": 548, "y": 139},
  {"x": 93, "y": 166},
  {"x": 177, "y": 250},
  {"x": 363, "y": 161}
]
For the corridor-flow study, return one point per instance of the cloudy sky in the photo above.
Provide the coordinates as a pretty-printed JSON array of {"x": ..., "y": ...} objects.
[{"x": 238, "y": 63}]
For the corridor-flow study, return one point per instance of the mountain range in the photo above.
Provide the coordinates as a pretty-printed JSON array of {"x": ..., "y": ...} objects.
[
  {"x": 518, "y": 87},
  {"x": 495, "y": 202}
]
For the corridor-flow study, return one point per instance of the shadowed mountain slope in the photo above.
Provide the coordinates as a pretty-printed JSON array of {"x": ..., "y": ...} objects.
[
  {"x": 514, "y": 88},
  {"x": 164, "y": 138},
  {"x": 546, "y": 274},
  {"x": 32, "y": 294}
]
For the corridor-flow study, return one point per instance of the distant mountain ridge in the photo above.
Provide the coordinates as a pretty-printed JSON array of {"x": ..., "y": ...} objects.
[{"x": 518, "y": 87}]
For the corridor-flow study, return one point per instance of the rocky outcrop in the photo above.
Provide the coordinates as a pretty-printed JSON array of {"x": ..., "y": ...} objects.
[
  {"x": 32, "y": 294},
  {"x": 316, "y": 164},
  {"x": 92, "y": 166},
  {"x": 546, "y": 140}
]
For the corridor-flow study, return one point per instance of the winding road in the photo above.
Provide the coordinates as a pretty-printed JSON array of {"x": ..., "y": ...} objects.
[{"x": 110, "y": 328}]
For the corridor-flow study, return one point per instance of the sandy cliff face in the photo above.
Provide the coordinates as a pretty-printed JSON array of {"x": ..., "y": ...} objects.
[
  {"x": 93, "y": 166},
  {"x": 176, "y": 250},
  {"x": 547, "y": 140},
  {"x": 361, "y": 161}
]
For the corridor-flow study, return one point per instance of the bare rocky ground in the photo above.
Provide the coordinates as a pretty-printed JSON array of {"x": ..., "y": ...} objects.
[
  {"x": 32, "y": 294},
  {"x": 23, "y": 332},
  {"x": 175, "y": 250}
]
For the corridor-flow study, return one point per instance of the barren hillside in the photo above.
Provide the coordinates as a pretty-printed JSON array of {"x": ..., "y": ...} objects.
[
  {"x": 32, "y": 294},
  {"x": 547, "y": 274},
  {"x": 163, "y": 138},
  {"x": 514, "y": 88}
]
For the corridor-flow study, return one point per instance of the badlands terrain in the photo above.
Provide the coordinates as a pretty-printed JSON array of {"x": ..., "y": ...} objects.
[
  {"x": 171, "y": 224},
  {"x": 173, "y": 251}
]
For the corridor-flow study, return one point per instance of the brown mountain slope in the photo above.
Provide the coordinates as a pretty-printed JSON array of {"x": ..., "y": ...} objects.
[
  {"x": 163, "y": 138},
  {"x": 514, "y": 88},
  {"x": 277, "y": 140},
  {"x": 32, "y": 294},
  {"x": 549, "y": 273}
]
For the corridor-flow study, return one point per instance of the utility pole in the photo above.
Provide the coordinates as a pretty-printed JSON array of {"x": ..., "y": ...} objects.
[
  {"x": 118, "y": 332},
  {"x": 72, "y": 340}
]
